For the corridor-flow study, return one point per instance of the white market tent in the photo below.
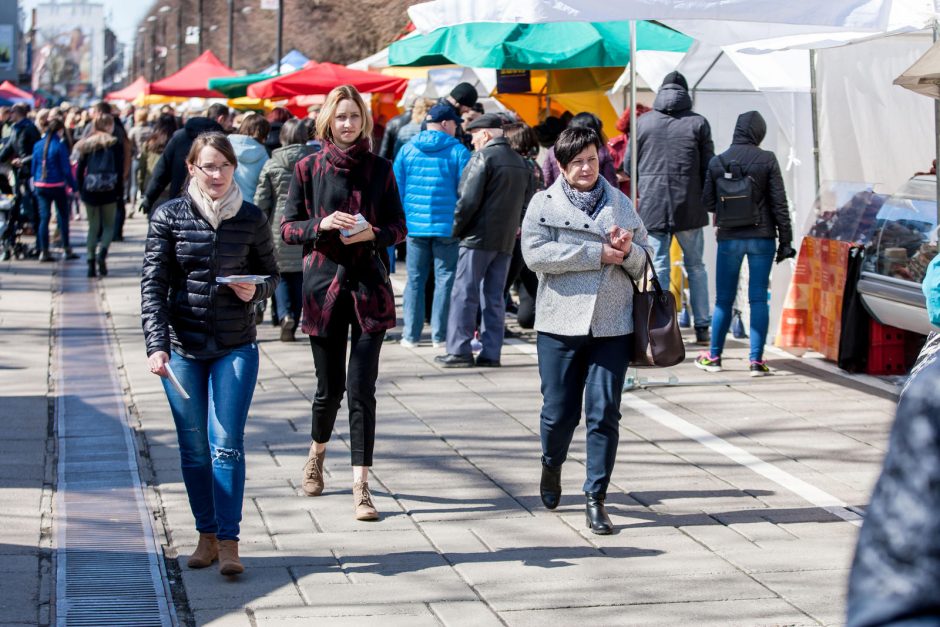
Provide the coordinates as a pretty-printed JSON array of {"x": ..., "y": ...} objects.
[{"x": 867, "y": 130}]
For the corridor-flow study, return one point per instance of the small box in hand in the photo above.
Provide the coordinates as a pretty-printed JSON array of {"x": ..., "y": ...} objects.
[{"x": 361, "y": 225}]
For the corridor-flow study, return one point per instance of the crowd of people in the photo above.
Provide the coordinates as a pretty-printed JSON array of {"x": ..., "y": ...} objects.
[{"x": 310, "y": 214}]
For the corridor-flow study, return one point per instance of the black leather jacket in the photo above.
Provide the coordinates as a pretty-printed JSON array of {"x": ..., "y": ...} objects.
[
  {"x": 22, "y": 139},
  {"x": 181, "y": 303},
  {"x": 494, "y": 189},
  {"x": 761, "y": 166}
]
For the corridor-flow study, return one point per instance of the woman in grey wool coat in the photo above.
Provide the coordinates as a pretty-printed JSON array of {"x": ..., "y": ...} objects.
[{"x": 585, "y": 241}]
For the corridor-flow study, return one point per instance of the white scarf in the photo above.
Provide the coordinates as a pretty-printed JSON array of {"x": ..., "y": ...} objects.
[{"x": 216, "y": 211}]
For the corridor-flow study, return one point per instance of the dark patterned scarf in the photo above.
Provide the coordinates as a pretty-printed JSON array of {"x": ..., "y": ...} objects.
[{"x": 591, "y": 201}]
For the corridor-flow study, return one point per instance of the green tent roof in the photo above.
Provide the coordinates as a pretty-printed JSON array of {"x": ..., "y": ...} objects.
[
  {"x": 550, "y": 46},
  {"x": 236, "y": 86}
]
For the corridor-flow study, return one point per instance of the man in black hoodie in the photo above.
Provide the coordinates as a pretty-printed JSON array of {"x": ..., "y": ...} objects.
[
  {"x": 674, "y": 146},
  {"x": 171, "y": 168}
]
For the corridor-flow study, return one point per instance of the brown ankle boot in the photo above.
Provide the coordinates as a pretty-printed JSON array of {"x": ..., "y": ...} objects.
[
  {"x": 313, "y": 472},
  {"x": 365, "y": 510},
  {"x": 229, "y": 564},
  {"x": 207, "y": 551}
]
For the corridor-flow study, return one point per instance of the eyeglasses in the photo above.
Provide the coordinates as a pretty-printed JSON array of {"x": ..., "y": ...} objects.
[{"x": 212, "y": 170}]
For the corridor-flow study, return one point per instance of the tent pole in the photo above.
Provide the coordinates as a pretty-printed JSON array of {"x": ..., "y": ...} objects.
[
  {"x": 936, "y": 126},
  {"x": 633, "y": 155},
  {"x": 814, "y": 98}
]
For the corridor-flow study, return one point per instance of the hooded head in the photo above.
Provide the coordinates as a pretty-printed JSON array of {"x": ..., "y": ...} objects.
[
  {"x": 675, "y": 78},
  {"x": 750, "y": 129}
]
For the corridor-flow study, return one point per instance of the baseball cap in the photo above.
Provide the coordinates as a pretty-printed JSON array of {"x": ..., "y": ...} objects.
[{"x": 441, "y": 112}]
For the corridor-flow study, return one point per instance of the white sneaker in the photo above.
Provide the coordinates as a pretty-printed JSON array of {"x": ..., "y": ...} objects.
[
  {"x": 408, "y": 343},
  {"x": 439, "y": 344}
]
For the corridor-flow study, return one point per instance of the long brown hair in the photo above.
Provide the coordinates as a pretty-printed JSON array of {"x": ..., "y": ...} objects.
[{"x": 55, "y": 125}]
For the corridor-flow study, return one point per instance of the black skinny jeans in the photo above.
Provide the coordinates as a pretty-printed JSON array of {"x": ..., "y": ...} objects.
[{"x": 333, "y": 379}]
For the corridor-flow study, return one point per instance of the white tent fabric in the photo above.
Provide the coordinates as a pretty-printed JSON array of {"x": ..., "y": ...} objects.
[
  {"x": 870, "y": 130},
  {"x": 859, "y": 15}
]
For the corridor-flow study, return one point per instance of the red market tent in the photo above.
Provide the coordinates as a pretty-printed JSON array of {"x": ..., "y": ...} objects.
[
  {"x": 190, "y": 82},
  {"x": 10, "y": 88},
  {"x": 321, "y": 78},
  {"x": 140, "y": 86}
]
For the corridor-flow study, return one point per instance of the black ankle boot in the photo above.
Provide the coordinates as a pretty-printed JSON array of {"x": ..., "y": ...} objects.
[
  {"x": 102, "y": 266},
  {"x": 597, "y": 519},
  {"x": 550, "y": 487},
  {"x": 91, "y": 268}
]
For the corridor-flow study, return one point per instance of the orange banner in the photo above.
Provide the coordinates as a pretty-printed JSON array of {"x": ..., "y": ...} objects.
[{"x": 812, "y": 312}]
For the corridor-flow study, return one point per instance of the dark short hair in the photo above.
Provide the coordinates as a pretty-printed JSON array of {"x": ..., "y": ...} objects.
[
  {"x": 20, "y": 108},
  {"x": 215, "y": 140},
  {"x": 586, "y": 119},
  {"x": 254, "y": 125},
  {"x": 572, "y": 141},
  {"x": 294, "y": 131},
  {"x": 216, "y": 110},
  {"x": 521, "y": 138}
]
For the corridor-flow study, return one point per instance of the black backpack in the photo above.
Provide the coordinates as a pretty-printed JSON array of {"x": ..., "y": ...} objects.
[
  {"x": 100, "y": 172},
  {"x": 735, "y": 206}
]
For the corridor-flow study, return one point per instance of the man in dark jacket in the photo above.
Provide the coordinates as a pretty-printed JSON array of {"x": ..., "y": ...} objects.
[
  {"x": 171, "y": 168},
  {"x": 387, "y": 147},
  {"x": 494, "y": 189},
  {"x": 18, "y": 151},
  {"x": 674, "y": 146}
]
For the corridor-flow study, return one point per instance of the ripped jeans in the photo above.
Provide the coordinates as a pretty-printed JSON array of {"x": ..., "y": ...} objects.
[{"x": 210, "y": 428}]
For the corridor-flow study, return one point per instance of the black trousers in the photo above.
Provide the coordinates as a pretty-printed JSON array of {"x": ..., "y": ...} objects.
[{"x": 358, "y": 381}]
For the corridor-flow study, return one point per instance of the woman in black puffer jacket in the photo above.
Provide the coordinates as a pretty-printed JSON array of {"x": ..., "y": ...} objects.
[{"x": 206, "y": 234}]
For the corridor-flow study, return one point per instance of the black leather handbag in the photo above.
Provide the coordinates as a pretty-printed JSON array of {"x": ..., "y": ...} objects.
[{"x": 657, "y": 340}]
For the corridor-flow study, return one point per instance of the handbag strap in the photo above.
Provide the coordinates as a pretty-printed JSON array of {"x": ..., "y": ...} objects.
[{"x": 649, "y": 276}]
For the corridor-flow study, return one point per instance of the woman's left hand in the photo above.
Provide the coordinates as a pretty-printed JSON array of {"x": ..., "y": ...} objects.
[
  {"x": 621, "y": 239},
  {"x": 245, "y": 291},
  {"x": 365, "y": 235}
]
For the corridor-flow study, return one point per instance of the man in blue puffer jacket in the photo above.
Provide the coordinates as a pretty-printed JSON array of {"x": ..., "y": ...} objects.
[{"x": 428, "y": 170}]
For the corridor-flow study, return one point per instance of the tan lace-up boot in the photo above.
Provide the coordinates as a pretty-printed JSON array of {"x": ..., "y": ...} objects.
[
  {"x": 365, "y": 510},
  {"x": 207, "y": 551},
  {"x": 313, "y": 471},
  {"x": 229, "y": 564}
]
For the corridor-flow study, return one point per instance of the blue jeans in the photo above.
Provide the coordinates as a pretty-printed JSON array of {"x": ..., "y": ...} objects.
[
  {"x": 425, "y": 254},
  {"x": 760, "y": 259},
  {"x": 289, "y": 295},
  {"x": 45, "y": 197},
  {"x": 479, "y": 284},
  {"x": 210, "y": 428},
  {"x": 692, "y": 243},
  {"x": 588, "y": 370}
]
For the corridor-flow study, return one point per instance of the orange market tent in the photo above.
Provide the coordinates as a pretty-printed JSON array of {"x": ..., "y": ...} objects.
[
  {"x": 138, "y": 87},
  {"x": 321, "y": 78},
  {"x": 190, "y": 82}
]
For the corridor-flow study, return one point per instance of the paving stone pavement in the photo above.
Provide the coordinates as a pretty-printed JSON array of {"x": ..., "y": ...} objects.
[{"x": 464, "y": 540}]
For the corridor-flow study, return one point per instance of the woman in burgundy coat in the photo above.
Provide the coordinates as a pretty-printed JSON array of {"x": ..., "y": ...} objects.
[{"x": 346, "y": 290}]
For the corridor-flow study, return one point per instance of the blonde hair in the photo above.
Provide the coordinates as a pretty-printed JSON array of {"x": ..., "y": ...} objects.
[
  {"x": 420, "y": 109},
  {"x": 328, "y": 112}
]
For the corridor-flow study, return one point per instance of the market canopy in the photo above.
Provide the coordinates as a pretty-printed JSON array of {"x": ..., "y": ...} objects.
[
  {"x": 321, "y": 78},
  {"x": 290, "y": 62},
  {"x": 860, "y": 15},
  {"x": 191, "y": 81},
  {"x": 236, "y": 86},
  {"x": 16, "y": 92},
  {"x": 552, "y": 46},
  {"x": 776, "y": 25},
  {"x": 924, "y": 76},
  {"x": 138, "y": 87}
]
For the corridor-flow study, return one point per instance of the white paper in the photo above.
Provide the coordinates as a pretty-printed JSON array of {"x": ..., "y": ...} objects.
[
  {"x": 254, "y": 279},
  {"x": 176, "y": 382}
]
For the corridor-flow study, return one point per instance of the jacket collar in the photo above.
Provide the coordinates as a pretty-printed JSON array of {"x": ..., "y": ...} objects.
[{"x": 559, "y": 212}]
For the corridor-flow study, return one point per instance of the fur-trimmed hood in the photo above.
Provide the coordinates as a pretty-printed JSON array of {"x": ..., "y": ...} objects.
[{"x": 94, "y": 142}]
